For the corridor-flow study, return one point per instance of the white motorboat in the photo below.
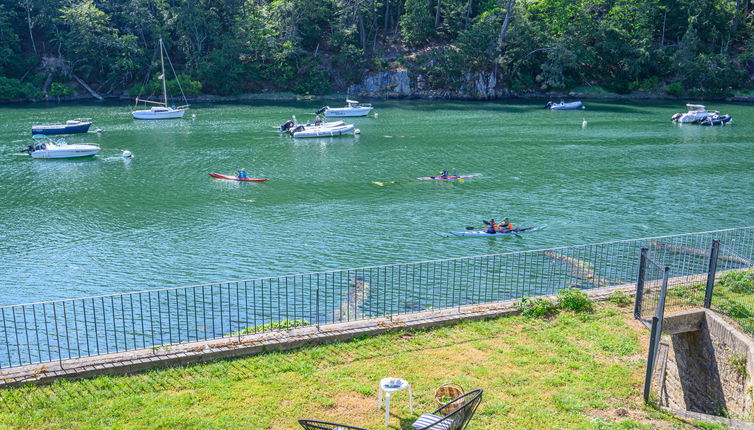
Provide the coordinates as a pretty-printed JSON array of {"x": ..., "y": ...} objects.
[
  {"x": 695, "y": 114},
  {"x": 291, "y": 124},
  {"x": 564, "y": 106},
  {"x": 44, "y": 147},
  {"x": 316, "y": 131},
  {"x": 162, "y": 110},
  {"x": 353, "y": 108}
]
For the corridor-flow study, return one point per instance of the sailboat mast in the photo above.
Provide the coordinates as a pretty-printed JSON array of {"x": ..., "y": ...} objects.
[{"x": 164, "y": 78}]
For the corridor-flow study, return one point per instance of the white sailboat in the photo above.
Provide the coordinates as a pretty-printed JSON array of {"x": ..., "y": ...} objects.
[{"x": 162, "y": 110}]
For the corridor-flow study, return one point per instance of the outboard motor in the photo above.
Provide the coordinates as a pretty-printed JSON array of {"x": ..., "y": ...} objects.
[
  {"x": 321, "y": 111},
  {"x": 676, "y": 117},
  {"x": 296, "y": 130},
  {"x": 548, "y": 105},
  {"x": 287, "y": 125}
]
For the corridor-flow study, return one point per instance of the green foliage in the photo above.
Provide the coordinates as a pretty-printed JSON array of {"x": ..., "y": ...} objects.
[
  {"x": 59, "y": 90},
  {"x": 154, "y": 87},
  {"x": 738, "y": 281},
  {"x": 738, "y": 362},
  {"x": 417, "y": 24},
  {"x": 675, "y": 89},
  {"x": 315, "y": 46},
  {"x": 537, "y": 307},
  {"x": 13, "y": 89},
  {"x": 271, "y": 326},
  {"x": 574, "y": 299},
  {"x": 619, "y": 298}
]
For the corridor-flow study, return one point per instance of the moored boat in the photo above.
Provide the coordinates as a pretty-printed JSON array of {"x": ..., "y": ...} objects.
[
  {"x": 352, "y": 108},
  {"x": 162, "y": 110},
  {"x": 291, "y": 124},
  {"x": 44, "y": 147},
  {"x": 319, "y": 131},
  {"x": 695, "y": 114},
  {"x": 716, "y": 120},
  {"x": 564, "y": 106},
  {"x": 70, "y": 127}
]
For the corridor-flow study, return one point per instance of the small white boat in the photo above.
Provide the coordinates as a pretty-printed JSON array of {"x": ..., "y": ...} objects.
[
  {"x": 302, "y": 131},
  {"x": 696, "y": 113},
  {"x": 44, "y": 147},
  {"x": 291, "y": 124},
  {"x": 160, "y": 112},
  {"x": 564, "y": 106},
  {"x": 353, "y": 108}
]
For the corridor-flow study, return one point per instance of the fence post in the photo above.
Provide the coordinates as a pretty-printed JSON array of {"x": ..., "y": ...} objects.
[
  {"x": 640, "y": 283},
  {"x": 317, "y": 308},
  {"x": 651, "y": 357},
  {"x": 711, "y": 271}
]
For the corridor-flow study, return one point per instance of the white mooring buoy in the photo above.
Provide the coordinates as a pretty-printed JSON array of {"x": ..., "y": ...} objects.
[
  {"x": 583, "y": 123},
  {"x": 357, "y": 131},
  {"x": 127, "y": 154}
]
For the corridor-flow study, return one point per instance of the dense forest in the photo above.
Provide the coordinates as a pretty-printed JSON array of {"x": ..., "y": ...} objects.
[{"x": 53, "y": 48}]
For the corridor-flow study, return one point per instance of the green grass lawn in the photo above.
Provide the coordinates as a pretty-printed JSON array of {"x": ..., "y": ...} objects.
[{"x": 570, "y": 371}]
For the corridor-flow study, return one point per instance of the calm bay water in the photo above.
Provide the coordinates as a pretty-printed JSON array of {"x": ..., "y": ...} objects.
[{"x": 71, "y": 228}]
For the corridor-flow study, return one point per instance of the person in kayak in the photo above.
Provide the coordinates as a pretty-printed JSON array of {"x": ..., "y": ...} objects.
[
  {"x": 444, "y": 174},
  {"x": 506, "y": 225},
  {"x": 491, "y": 227},
  {"x": 241, "y": 174}
]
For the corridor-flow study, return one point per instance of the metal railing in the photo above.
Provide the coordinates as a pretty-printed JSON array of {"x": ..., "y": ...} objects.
[{"x": 58, "y": 330}]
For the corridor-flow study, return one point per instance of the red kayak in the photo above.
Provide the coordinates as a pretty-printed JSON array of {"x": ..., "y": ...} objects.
[{"x": 233, "y": 178}]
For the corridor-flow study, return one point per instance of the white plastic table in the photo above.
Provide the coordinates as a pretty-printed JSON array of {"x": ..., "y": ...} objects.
[{"x": 388, "y": 390}]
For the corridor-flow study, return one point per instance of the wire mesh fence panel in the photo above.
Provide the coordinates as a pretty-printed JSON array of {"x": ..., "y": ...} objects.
[
  {"x": 733, "y": 289},
  {"x": 50, "y": 331},
  {"x": 652, "y": 288}
]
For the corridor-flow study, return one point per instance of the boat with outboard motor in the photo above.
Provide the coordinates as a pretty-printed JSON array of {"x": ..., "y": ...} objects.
[
  {"x": 70, "y": 127},
  {"x": 564, "y": 106},
  {"x": 695, "y": 114},
  {"x": 291, "y": 124},
  {"x": 322, "y": 131},
  {"x": 45, "y": 147},
  {"x": 352, "y": 108}
]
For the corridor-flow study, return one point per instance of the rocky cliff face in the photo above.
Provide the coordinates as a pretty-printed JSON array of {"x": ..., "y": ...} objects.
[{"x": 405, "y": 84}]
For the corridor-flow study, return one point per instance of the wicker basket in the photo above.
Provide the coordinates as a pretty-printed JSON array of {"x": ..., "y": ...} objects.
[{"x": 446, "y": 393}]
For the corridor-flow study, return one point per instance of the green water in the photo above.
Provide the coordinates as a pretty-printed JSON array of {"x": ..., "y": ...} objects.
[{"x": 71, "y": 228}]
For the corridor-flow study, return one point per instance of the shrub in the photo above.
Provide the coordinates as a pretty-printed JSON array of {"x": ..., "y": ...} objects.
[
  {"x": 13, "y": 89},
  {"x": 59, "y": 90},
  {"x": 740, "y": 281},
  {"x": 738, "y": 362},
  {"x": 619, "y": 298},
  {"x": 573, "y": 299},
  {"x": 675, "y": 89},
  {"x": 272, "y": 325},
  {"x": 537, "y": 308}
]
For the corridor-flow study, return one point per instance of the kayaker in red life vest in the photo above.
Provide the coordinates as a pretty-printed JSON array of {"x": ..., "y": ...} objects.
[{"x": 492, "y": 227}]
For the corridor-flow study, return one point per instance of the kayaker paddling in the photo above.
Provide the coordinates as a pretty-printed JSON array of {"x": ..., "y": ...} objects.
[{"x": 241, "y": 174}]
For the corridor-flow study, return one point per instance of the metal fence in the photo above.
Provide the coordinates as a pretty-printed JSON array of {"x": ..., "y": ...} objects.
[{"x": 58, "y": 330}]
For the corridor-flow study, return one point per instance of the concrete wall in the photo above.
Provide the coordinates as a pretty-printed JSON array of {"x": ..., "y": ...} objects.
[{"x": 703, "y": 371}]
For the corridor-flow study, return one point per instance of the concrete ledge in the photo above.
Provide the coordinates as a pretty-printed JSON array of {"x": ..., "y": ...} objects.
[
  {"x": 696, "y": 416},
  {"x": 187, "y": 353}
]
